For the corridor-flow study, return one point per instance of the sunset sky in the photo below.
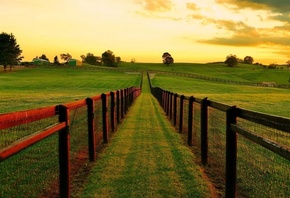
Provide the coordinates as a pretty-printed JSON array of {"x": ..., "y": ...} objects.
[{"x": 196, "y": 31}]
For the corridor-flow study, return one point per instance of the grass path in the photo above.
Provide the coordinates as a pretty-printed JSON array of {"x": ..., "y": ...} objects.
[{"x": 146, "y": 158}]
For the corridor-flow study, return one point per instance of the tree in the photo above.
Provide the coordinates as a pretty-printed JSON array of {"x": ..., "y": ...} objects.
[
  {"x": 231, "y": 60},
  {"x": 66, "y": 57},
  {"x": 248, "y": 60},
  {"x": 43, "y": 56},
  {"x": 83, "y": 58},
  {"x": 108, "y": 59},
  {"x": 133, "y": 61},
  {"x": 91, "y": 59},
  {"x": 118, "y": 59},
  {"x": 56, "y": 61},
  {"x": 10, "y": 52},
  {"x": 167, "y": 58}
]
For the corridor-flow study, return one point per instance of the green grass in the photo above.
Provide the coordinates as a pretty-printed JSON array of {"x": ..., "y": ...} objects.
[
  {"x": 37, "y": 167},
  {"x": 242, "y": 72},
  {"x": 39, "y": 87},
  {"x": 146, "y": 158},
  {"x": 260, "y": 171},
  {"x": 262, "y": 99},
  {"x": 33, "y": 88}
]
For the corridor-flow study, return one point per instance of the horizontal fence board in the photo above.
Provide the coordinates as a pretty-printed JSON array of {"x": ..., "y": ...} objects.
[
  {"x": 23, "y": 117},
  {"x": 96, "y": 98},
  {"x": 76, "y": 104},
  {"x": 219, "y": 106},
  {"x": 29, "y": 140},
  {"x": 271, "y": 145},
  {"x": 272, "y": 121}
]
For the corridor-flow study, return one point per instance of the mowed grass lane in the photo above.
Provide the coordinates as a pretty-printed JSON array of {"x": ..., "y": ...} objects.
[{"x": 146, "y": 158}]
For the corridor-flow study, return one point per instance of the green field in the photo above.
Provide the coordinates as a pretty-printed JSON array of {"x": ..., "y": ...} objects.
[
  {"x": 242, "y": 72},
  {"x": 33, "y": 88},
  {"x": 39, "y": 87},
  {"x": 262, "y": 99}
]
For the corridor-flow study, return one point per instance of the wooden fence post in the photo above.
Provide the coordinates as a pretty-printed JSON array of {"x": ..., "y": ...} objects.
[
  {"x": 181, "y": 113},
  {"x": 167, "y": 103},
  {"x": 162, "y": 99},
  {"x": 91, "y": 129},
  {"x": 231, "y": 154},
  {"x": 125, "y": 100},
  {"x": 64, "y": 148},
  {"x": 118, "y": 107},
  {"x": 105, "y": 118},
  {"x": 175, "y": 109},
  {"x": 204, "y": 130},
  {"x": 112, "y": 112},
  {"x": 190, "y": 118},
  {"x": 131, "y": 96},
  {"x": 170, "y": 105},
  {"x": 122, "y": 103}
]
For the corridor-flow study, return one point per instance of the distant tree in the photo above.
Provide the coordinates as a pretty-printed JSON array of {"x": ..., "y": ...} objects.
[
  {"x": 118, "y": 59},
  {"x": 10, "y": 52},
  {"x": 133, "y": 61},
  {"x": 56, "y": 61},
  {"x": 43, "y": 56},
  {"x": 288, "y": 62},
  {"x": 167, "y": 58},
  {"x": 99, "y": 60},
  {"x": 248, "y": 60},
  {"x": 91, "y": 59},
  {"x": 66, "y": 57},
  {"x": 272, "y": 66},
  {"x": 83, "y": 58},
  {"x": 231, "y": 60},
  {"x": 108, "y": 59}
]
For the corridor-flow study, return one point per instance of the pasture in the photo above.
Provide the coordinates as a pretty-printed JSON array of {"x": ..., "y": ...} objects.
[
  {"x": 263, "y": 99},
  {"x": 40, "y": 87},
  {"x": 242, "y": 72}
]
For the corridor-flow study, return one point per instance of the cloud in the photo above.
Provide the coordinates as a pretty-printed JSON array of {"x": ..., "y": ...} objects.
[
  {"x": 241, "y": 34},
  {"x": 155, "y": 5},
  {"x": 196, "y": 16},
  {"x": 240, "y": 4},
  {"x": 281, "y": 7},
  {"x": 192, "y": 6}
]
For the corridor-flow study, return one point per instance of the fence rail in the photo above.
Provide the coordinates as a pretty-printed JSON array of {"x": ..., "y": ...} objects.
[
  {"x": 43, "y": 149},
  {"x": 246, "y": 153},
  {"x": 198, "y": 76}
]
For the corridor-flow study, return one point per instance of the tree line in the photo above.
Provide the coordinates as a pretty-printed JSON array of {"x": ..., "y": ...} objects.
[
  {"x": 107, "y": 59},
  {"x": 10, "y": 54},
  {"x": 233, "y": 60}
]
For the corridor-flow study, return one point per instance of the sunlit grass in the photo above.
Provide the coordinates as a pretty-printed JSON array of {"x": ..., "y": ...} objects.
[
  {"x": 260, "y": 171},
  {"x": 146, "y": 158},
  {"x": 39, "y": 87},
  {"x": 264, "y": 99}
]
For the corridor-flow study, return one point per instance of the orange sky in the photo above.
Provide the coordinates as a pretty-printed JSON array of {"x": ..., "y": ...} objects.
[{"x": 190, "y": 30}]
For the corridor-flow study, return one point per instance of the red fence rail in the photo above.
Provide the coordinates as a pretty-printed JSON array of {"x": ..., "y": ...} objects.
[
  {"x": 66, "y": 132},
  {"x": 246, "y": 153}
]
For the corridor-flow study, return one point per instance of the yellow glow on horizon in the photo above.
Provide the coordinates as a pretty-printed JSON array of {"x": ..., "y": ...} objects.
[{"x": 132, "y": 30}]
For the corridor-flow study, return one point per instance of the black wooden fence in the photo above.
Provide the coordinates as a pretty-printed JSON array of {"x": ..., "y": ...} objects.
[{"x": 246, "y": 153}]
